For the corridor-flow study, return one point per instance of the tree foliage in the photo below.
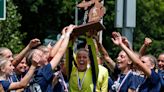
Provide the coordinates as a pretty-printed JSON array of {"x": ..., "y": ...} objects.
[
  {"x": 10, "y": 36},
  {"x": 41, "y": 18},
  {"x": 150, "y": 22}
]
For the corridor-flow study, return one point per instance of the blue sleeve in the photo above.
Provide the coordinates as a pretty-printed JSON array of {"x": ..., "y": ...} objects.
[
  {"x": 5, "y": 85},
  {"x": 161, "y": 75},
  {"x": 154, "y": 77},
  {"x": 133, "y": 84},
  {"x": 136, "y": 81},
  {"x": 110, "y": 83},
  {"x": 47, "y": 72}
]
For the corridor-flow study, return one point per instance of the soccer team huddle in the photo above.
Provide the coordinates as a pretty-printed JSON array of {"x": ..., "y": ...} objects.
[{"x": 39, "y": 68}]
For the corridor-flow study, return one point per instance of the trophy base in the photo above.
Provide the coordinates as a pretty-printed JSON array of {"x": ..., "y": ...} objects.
[{"x": 82, "y": 29}]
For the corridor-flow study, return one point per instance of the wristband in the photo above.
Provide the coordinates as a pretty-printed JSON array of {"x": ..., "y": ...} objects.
[{"x": 62, "y": 37}]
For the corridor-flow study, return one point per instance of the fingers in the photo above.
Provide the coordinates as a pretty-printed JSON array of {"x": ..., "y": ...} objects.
[
  {"x": 117, "y": 39},
  {"x": 34, "y": 42},
  {"x": 35, "y": 59},
  {"x": 147, "y": 41},
  {"x": 125, "y": 41},
  {"x": 64, "y": 30},
  {"x": 116, "y": 34},
  {"x": 70, "y": 28},
  {"x": 113, "y": 40},
  {"x": 49, "y": 46}
]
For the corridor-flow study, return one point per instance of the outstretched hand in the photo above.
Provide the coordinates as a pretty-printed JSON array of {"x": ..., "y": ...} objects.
[
  {"x": 117, "y": 39},
  {"x": 34, "y": 42}
]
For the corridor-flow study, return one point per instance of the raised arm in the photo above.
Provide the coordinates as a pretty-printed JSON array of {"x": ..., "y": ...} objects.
[
  {"x": 110, "y": 63},
  {"x": 58, "y": 44},
  {"x": 117, "y": 40},
  {"x": 62, "y": 48},
  {"x": 20, "y": 56},
  {"x": 143, "y": 48},
  {"x": 26, "y": 79}
]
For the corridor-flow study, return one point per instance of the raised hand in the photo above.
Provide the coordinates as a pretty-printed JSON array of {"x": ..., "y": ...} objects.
[
  {"x": 117, "y": 39},
  {"x": 64, "y": 30},
  {"x": 69, "y": 29},
  {"x": 34, "y": 42},
  {"x": 147, "y": 41},
  {"x": 125, "y": 41}
]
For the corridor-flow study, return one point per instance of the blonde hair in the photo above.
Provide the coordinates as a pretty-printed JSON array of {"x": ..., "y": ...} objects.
[
  {"x": 83, "y": 49},
  {"x": 153, "y": 60},
  {"x": 2, "y": 50},
  {"x": 3, "y": 61},
  {"x": 42, "y": 47}
]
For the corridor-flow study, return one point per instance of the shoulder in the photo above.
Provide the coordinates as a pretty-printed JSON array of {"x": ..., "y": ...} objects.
[
  {"x": 46, "y": 68},
  {"x": 153, "y": 74},
  {"x": 102, "y": 68},
  {"x": 5, "y": 84}
]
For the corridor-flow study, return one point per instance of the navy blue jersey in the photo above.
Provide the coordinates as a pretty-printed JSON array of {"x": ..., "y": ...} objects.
[
  {"x": 42, "y": 81},
  {"x": 129, "y": 82},
  {"x": 151, "y": 84},
  {"x": 5, "y": 84},
  {"x": 161, "y": 75}
]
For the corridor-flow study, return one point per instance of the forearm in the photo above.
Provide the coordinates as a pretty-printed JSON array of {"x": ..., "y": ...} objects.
[
  {"x": 20, "y": 56},
  {"x": 142, "y": 50},
  {"x": 110, "y": 63},
  {"x": 25, "y": 80},
  {"x": 56, "y": 47},
  {"x": 102, "y": 49},
  {"x": 60, "y": 52},
  {"x": 136, "y": 60}
]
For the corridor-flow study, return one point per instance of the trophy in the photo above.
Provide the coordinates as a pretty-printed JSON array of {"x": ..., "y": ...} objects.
[{"x": 94, "y": 11}]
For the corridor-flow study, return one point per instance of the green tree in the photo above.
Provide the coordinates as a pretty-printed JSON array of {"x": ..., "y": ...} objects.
[
  {"x": 10, "y": 36},
  {"x": 150, "y": 22},
  {"x": 43, "y": 17}
]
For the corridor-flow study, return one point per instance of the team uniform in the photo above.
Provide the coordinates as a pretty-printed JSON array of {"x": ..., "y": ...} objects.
[
  {"x": 102, "y": 82},
  {"x": 42, "y": 80},
  {"x": 6, "y": 83},
  {"x": 81, "y": 81},
  {"x": 151, "y": 84},
  {"x": 161, "y": 76},
  {"x": 124, "y": 81}
]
